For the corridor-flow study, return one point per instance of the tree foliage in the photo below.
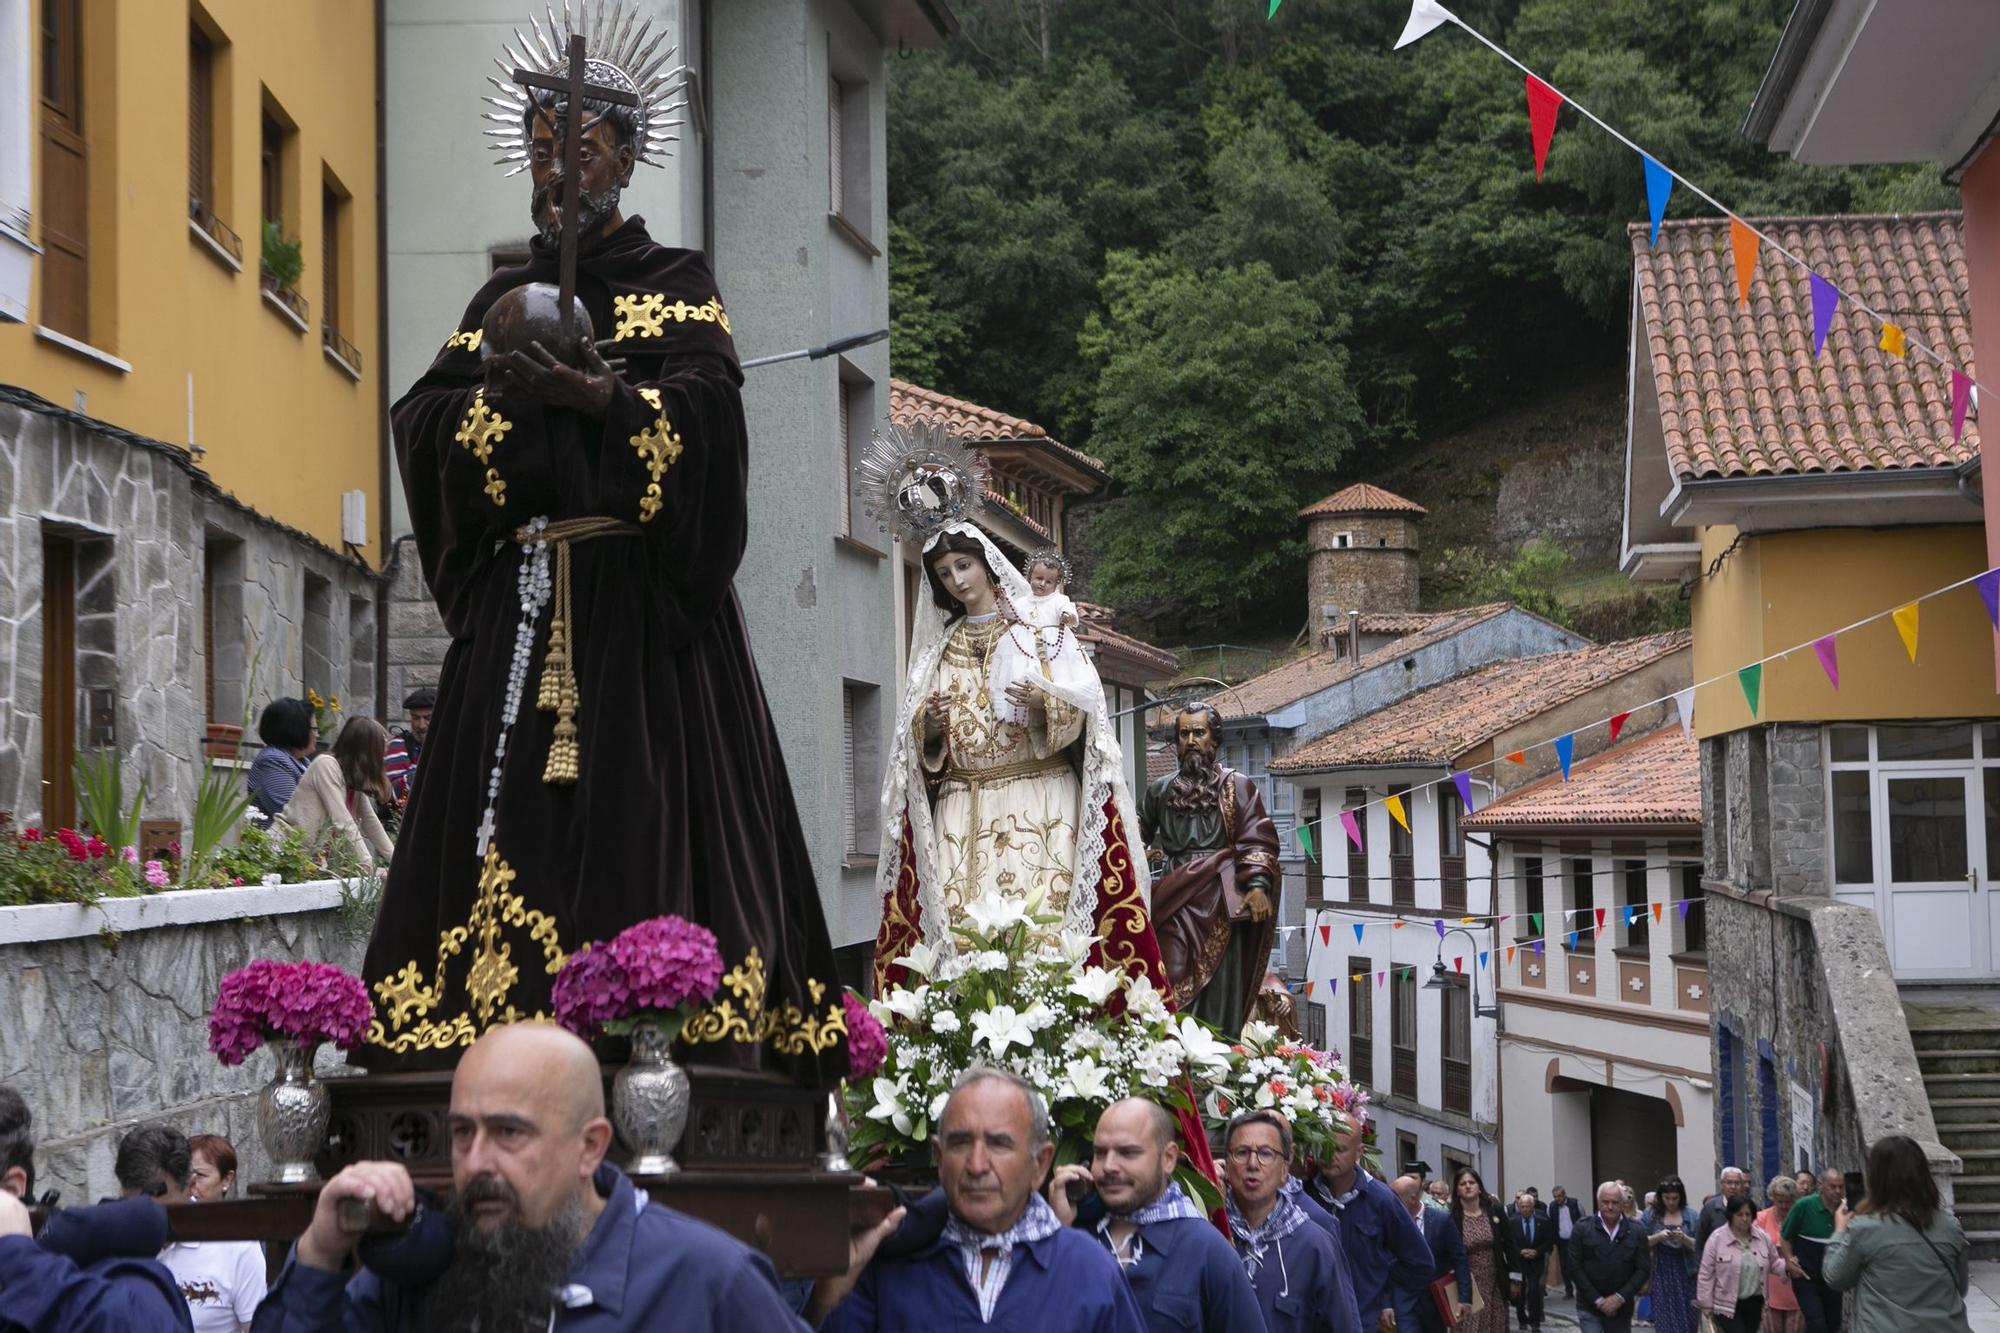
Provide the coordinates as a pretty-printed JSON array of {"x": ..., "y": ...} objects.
[{"x": 1232, "y": 255}]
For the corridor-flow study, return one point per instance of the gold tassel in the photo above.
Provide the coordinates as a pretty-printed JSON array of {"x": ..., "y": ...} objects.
[{"x": 559, "y": 692}]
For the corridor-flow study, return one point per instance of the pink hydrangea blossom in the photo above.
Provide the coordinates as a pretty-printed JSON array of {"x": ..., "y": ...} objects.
[
  {"x": 311, "y": 1002},
  {"x": 667, "y": 961},
  {"x": 867, "y": 1044},
  {"x": 590, "y": 991}
]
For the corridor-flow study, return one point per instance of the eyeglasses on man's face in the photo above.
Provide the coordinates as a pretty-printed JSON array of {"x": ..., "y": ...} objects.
[{"x": 1261, "y": 1155}]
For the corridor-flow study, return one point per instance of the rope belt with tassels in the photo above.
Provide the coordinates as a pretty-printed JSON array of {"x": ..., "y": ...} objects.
[{"x": 558, "y": 692}]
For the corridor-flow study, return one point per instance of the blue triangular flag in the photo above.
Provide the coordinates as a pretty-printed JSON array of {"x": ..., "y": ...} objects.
[
  {"x": 1565, "y": 751},
  {"x": 1825, "y": 297},
  {"x": 1482, "y": 958},
  {"x": 1572, "y": 941},
  {"x": 1439, "y": 923},
  {"x": 1659, "y": 184},
  {"x": 1358, "y": 928},
  {"x": 1989, "y": 593}
]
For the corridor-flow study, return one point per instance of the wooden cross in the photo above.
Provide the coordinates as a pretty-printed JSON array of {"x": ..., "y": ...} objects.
[{"x": 571, "y": 129}]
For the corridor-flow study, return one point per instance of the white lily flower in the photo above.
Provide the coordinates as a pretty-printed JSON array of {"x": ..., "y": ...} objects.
[
  {"x": 1264, "y": 1097},
  {"x": 1087, "y": 1080},
  {"x": 1000, "y": 1027},
  {"x": 1095, "y": 985},
  {"x": 889, "y": 1106},
  {"x": 945, "y": 1021},
  {"x": 937, "y": 1104},
  {"x": 1259, "y": 1035},
  {"x": 991, "y": 913},
  {"x": 922, "y": 959},
  {"x": 905, "y": 1004},
  {"x": 1143, "y": 1001},
  {"x": 1203, "y": 1049},
  {"x": 1076, "y": 947},
  {"x": 1038, "y": 1016}
]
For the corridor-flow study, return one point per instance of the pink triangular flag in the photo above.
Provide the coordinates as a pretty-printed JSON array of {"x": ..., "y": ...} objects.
[
  {"x": 1543, "y": 102},
  {"x": 1961, "y": 399},
  {"x": 1353, "y": 829},
  {"x": 1829, "y": 660}
]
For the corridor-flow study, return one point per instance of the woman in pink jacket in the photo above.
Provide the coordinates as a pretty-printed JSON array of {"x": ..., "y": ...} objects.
[{"x": 1735, "y": 1265}]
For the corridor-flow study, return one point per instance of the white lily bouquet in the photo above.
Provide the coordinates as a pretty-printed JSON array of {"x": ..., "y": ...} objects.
[
  {"x": 1010, "y": 996},
  {"x": 1306, "y": 1085}
]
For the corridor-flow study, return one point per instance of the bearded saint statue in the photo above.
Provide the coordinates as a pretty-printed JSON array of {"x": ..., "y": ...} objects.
[
  {"x": 1214, "y": 908},
  {"x": 1004, "y": 777}
]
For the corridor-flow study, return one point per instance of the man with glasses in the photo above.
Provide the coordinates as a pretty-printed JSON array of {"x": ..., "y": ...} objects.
[
  {"x": 1300, "y": 1286},
  {"x": 1182, "y": 1273}
]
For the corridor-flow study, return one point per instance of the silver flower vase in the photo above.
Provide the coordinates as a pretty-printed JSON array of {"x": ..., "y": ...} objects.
[
  {"x": 649, "y": 1102},
  {"x": 834, "y": 1158},
  {"x": 292, "y": 1113}
]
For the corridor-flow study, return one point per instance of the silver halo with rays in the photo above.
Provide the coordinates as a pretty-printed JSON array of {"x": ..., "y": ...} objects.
[
  {"x": 615, "y": 56},
  {"x": 918, "y": 479}
]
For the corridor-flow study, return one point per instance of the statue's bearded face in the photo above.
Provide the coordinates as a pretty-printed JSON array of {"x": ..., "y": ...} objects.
[
  {"x": 604, "y": 167},
  {"x": 1193, "y": 734}
]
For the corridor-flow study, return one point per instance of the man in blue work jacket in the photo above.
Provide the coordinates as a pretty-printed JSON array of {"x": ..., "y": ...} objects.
[{"x": 1386, "y": 1252}]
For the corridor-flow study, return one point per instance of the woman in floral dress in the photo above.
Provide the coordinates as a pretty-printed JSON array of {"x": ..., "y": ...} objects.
[
  {"x": 1670, "y": 1228},
  {"x": 1484, "y": 1231}
]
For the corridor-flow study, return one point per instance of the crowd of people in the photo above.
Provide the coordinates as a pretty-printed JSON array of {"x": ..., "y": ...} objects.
[
  {"x": 541, "y": 1232},
  {"x": 353, "y": 794}
]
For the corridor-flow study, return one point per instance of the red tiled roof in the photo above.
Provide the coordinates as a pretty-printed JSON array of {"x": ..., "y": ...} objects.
[
  {"x": 1096, "y": 628},
  {"x": 1654, "y": 780},
  {"x": 1437, "y": 725},
  {"x": 1362, "y": 498},
  {"x": 1740, "y": 392},
  {"x": 1160, "y": 760},
  {"x": 1308, "y": 675},
  {"x": 912, "y": 402},
  {"x": 1389, "y": 622}
]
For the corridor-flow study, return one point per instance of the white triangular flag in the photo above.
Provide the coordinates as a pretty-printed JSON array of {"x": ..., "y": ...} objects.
[
  {"x": 1425, "y": 15},
  {"x": 1684, "y": 705}
]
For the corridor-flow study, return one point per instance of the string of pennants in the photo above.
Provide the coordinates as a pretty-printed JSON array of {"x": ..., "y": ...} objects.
[
  {"x": 1628, "y": 915},
  {"x": 1545, "y": 101},
  {"x": 1749, "y": 679}
]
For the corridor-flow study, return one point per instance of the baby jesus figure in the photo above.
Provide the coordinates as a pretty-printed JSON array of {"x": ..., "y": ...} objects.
[{"x": 1049, "y": 617}]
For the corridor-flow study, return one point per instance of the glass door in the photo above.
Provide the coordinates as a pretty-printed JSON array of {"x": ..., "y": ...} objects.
[{"x": 1937, "y": 925}]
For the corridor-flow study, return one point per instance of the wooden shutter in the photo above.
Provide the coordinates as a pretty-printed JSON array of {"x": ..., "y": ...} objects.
[
  {"x": 848, "y": 820},
  {"x": 1361, "y": 1021},
  {"x": 843, "y": 411},
  {"x": 329, "y": 244},
  {"x": 65, "y": 174},
  {"x": 272, "y": 162},
  {"x": 834, "y": 145},
  {"x": 201, "y": 137}
]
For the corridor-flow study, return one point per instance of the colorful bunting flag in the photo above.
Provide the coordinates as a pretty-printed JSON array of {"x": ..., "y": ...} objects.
[
  {"x": 1829, "y": 658},
  {"x": 1618, "y": 725},
  {"x": 1482, "y": 957},
  {"x": 1543, "y": 101},
  {"x": 1394, "y": 804},
  {"x": 1657, "y": 909},
  {"x": 1684, "y": 709},
  {"x": 1510, "y": 952},
  {"x": 1905, "y": 617},
  {"x": 1380, "y": 977},
  {"x": 1893, "y": 340},
  {"x": 1358, "y": 928},
  {"x": 1458, "y": 962},
  {"x": 1565, "y": 751},
  {"x": 1825, "y": 299},
  {"x": 1309, "y": 985},
  {"x": 1274, "y": 10},
  {"x": 1659, "y": 184},
  {"x": 1743, "y": 243},
  {"x": 1989, "y": 593},
  {"x": 1353, "y": 829},
  {"x": 1682, "y": 907},
  {"x": 1538, "y": 947},
  {"x": 1751, "y": 678},
  {"x": 1304, "y": 834},
  {"x": 1536, "y": 917},
  {"x": 1517, "y": 757},
  {"x": 1572, "y": 941},
  {"x": 1425, "y": 16},
  {"x": 1600, "y": 918},
  {"x": 1439, "y": 923},
  {"x": 1326, "y": 935},
  {"x": 1396, "y": 925},
  {"x": 1463, "y": 781},
  {"x": 1961, "y": 399},
  {"x": 1467, "y": 920}
]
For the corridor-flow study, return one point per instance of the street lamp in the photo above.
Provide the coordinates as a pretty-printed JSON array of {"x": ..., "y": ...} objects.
[{"x": 1441, "y": 980}]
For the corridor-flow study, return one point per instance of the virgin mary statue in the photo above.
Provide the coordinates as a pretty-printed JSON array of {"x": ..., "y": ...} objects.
[{"x": 1004, "y": 775}]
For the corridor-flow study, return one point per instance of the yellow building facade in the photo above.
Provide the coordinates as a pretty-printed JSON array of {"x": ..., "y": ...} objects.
[{"x": 187, "y": 124}]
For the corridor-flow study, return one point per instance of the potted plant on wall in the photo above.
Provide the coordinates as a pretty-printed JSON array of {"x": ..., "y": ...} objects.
[{"x": 280, "y": 267}]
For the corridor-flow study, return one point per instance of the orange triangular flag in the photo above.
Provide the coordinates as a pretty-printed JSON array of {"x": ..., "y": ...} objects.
[
  {"x": 1656, "y": 911},
  {"x": 1893, "y": 341},
  {"x": 1905, "y": 617},
  {"x": 1743, "y": 243},
  {"x": 1517, "y": 758},
  {"x": 1510, "y": 953}
]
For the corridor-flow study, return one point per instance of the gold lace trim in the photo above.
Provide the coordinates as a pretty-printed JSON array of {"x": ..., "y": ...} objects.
[
  {"x": 482, "y": 429},
  {"x": 659, "y": 447},
  {"x": 789, "y": 1030},
  {"x": 645, "y": 315}
]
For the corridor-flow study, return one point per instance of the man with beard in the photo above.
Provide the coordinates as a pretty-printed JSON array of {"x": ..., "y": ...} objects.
[
  {"x": 1213, "y": 909},
  {"x": 1300, "y": 1286},
  {"x": 1180, "y": 1269},
  {"x": 602, "y": 752},
  {"x": 548, "y": 1234}
]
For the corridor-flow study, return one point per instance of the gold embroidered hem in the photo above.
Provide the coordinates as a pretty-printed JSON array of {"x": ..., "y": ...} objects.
[
  {"x": 999, "y": 773},
  {"x": 788, "y": 1029},
  {"x": 659, "y": 447},
  {"x": 490, "y": 975},
  {"x": 482, "y": 429},
  {"x": 645, "y": 315}
]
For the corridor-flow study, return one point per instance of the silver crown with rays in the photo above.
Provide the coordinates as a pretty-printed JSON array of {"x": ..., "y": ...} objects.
[
  {"x": 918, "y": 478},
  {"x": 620, "y": 51}
]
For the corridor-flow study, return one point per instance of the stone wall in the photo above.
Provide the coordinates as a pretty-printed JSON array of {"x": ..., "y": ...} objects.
[
  {"x": 1378, "y": 572},
  {"x": 145, "y": 524},
  {"x": 104, "y": 1031},
  {"x": 1570, "y": 498},
  {"x": 417, "y": 637}
]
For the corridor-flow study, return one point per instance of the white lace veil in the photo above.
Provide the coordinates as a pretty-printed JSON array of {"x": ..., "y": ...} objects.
[{"x": 1072, "y": 679}]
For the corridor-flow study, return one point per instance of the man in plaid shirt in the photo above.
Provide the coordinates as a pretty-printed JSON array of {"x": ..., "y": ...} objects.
[{"x": 406, "y": 746}]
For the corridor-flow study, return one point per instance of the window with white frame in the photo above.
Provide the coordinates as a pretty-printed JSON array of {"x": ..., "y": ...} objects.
[
  {"x": 861, "y": 767},
  {"x": 1901, "y": 798},
  {"x": 848, "y": 144}
]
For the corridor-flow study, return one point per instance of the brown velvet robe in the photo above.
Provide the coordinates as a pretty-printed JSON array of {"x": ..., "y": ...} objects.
[
  {"x": 1214, "y": 953},
  {"x": 683, "y": 804}
]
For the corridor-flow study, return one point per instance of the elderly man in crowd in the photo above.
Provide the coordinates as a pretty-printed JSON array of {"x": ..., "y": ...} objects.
[
  {"x": 1448, "y": 1257},
  {"x": 1386, "y": 1253},
  {"x": 92, "y": 1271},
  {"x": 1612, "y": 1263},
  {"x": 1002, "y": 1259},
  {"x": 1301, "y": 1285},
  {"x": 1178, "y": 1265},
  {"x": 546, "y": 1228},
  {"x": 1808, "y": 1230},
  {"x": 1733, "y": 1183},
  {"x": 1564, "y": 1213},
  {"x": 1530, "y": 1236}
]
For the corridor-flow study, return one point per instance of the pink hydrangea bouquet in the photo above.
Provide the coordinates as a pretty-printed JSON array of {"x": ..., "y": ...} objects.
[
  {"x": 867, "y": 1043},
  {"x": 305, "y": 1002},
  {"x": 655, "y": 972}
]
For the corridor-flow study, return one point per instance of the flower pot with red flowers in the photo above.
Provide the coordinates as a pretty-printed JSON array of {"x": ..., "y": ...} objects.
[
  {"x": 645, "y": 985},
  {"x": 291, "y": 1007}
]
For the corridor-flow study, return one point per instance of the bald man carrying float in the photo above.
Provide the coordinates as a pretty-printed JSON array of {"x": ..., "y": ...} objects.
[{"x": 548, "y": 1234}]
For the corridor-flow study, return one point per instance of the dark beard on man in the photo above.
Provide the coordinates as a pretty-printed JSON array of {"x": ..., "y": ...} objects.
[
  {"x": 591, "y": 209},
  {"x": 1199, "y": 785},
  {"x": 501, "y": 1280}
]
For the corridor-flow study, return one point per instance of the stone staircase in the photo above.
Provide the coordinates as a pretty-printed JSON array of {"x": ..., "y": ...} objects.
[{"x": 1958, "y": 1049}]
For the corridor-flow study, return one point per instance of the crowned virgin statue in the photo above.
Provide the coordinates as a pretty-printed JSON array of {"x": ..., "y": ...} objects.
[{"x": 1004, "y": 777}]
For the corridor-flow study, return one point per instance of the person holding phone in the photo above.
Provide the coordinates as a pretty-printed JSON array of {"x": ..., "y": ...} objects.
[
  {"x": 1902, "y": 1255},
  {"x": 1182, "y": 1273},
  {"x": 1670, "y": 1230}
]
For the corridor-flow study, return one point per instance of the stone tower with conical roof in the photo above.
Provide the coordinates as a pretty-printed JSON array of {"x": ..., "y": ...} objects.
[{"x": 1361, "y": 555}]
